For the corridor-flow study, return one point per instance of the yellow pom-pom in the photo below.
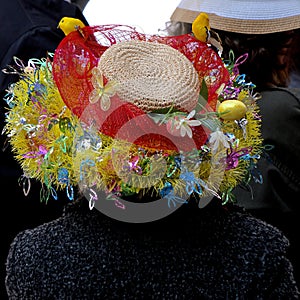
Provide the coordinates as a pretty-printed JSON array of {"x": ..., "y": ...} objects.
[{"x": 242, "y": 95}]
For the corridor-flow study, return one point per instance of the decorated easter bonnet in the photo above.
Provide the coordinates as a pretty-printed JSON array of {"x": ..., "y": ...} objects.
[
  {"x": 250, "y": 17},
  {"x": 133, "y": 114}
]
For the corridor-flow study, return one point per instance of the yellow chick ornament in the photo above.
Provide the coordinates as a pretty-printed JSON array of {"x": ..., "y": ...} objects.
[
  {"x": 201, "y": 28},
  {"x": 202, "y": 31},
  {"x": 67, "y": 24}
]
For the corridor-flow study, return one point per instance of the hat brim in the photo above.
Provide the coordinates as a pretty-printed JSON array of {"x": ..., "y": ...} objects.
[{"x": 239, "y": 25}]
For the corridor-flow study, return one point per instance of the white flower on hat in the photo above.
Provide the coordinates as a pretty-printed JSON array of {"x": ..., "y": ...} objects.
[
  {"x": 181, "y": 126},
  {"x": 218, "y": 139},
  {"x": 101, "y": 92}
]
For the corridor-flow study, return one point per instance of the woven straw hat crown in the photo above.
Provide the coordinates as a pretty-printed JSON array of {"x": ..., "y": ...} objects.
[
  {"x": 250, "y": 17},
  {"x": 151, "y": 75}
]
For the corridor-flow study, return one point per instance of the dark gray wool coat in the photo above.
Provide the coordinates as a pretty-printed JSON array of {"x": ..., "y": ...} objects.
[{"x": 218, "y": 252}]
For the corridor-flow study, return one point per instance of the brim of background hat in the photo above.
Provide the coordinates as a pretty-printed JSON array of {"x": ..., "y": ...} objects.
[{"x": 255, "y": 17}]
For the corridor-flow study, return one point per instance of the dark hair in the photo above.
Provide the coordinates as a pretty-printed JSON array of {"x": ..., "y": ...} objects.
[
  {"x": 296, "y": 51},
  {"x": 270, "y": 56}
]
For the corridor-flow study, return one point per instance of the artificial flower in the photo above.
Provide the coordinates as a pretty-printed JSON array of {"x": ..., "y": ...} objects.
[
  {"x": 101, "y": 92},
  {"x": 181, "y": 126},
  {"x": 218, "y": 139}
]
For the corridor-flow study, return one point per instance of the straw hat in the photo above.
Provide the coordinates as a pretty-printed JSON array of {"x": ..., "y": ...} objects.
[
  {"x": 250, "y": 17},
  {"x": 128, "y": 74}
]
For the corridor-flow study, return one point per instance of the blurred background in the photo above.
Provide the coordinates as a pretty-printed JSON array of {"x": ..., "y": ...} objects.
[{"x": 146, "y": 16}]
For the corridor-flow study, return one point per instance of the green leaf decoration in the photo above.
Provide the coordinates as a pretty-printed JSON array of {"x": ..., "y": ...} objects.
[
  {"x": 157, "y": 118},
  {"x": 201, "y": 104},
  {"x": 161, "y": 115},
  {"x": 204, "y": 90},
  {"x": 166, "y": 110},
  {"x": 211, "y": 124}
]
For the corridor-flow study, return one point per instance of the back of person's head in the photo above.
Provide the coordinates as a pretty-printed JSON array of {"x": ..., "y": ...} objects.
[
  {"x": 264, "y": 30},
  {"x": 270, "y": 56}
]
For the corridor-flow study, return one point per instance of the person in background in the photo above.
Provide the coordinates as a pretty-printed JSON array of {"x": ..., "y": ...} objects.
[
  {"x": 28, "y": 30},
  {"x": 134, "y": 123},
  {"x": 294, "y": 84},
  {"x": 80, "y": 3},
  {"x": 268, "y": 33}
]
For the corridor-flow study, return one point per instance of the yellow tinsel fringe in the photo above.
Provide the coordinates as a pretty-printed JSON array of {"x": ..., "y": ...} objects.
[{"x": 45, "y": 138}]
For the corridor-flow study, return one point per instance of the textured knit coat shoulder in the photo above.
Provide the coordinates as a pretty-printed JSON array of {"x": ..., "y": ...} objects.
[
  {"x": 210, "y": 253},
  {"x": 279, "y": 165},
  {"x": 276, "y": 198}
]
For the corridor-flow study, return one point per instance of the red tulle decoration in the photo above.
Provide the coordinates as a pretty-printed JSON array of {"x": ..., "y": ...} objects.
[{"x": 79, "y": 53}]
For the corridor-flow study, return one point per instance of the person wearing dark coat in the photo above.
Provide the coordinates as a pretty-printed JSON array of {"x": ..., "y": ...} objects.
[
  {"x": 149, "y": 131},
  {"x": 191, "y": 254},
  {"x": 28, "y": 29},
  {"x": 267, "y": 42}
]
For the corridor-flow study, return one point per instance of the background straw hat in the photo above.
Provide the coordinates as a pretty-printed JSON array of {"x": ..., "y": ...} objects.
[{"x": 250, "y": 17}]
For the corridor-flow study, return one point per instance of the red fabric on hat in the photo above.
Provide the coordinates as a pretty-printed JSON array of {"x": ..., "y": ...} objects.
[{"x": 78, "y": 54}]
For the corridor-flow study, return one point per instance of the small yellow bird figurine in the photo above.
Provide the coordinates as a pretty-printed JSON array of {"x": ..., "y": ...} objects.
[
  {"x": 68, "y": 24},
  {"x": 201, "y": 28},
  {"x": 202, "y": 31}
]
